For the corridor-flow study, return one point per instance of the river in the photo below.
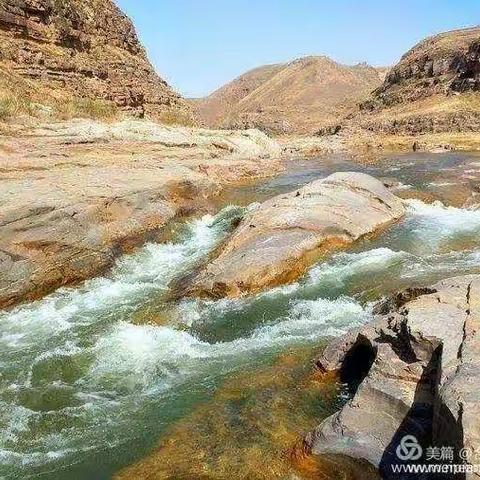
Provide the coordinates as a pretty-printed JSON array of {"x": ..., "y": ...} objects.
[{"x": 93, "y": 377}]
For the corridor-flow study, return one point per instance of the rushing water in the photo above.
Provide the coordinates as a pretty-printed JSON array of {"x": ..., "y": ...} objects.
[{"x": 91, "y": 377}]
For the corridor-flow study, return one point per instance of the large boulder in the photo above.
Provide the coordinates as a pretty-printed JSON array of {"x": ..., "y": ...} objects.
[
  {"x": 277, "y": 241},
  {"x": 414, "y": 370}
]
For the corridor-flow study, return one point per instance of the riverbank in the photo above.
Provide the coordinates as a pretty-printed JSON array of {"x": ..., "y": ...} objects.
[
  {"x": 368, "y": 145},
  {"x": 77, "y": 194}
]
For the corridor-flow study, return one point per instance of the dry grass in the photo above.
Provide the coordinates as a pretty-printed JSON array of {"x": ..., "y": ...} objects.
[
  {"x": 176, "y": 118},
  {"x": 14, "y": 106},
  {"x": 458, "y": 141},
  {"x": 377, "y": 143},
  {"x": 432, "y": 105},
  {"x": 86, "y": 108},
  {"x": 21, "y": 97}
]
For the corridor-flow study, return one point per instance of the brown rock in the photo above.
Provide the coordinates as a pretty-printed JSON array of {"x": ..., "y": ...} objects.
[
  {"x": 276, "y": 242},
  {"x": 85, "y": 48},
  {"x": 433, "y": 89},
  {"x": 77, "y": 194},
  {"x": 414, "y": 371}
]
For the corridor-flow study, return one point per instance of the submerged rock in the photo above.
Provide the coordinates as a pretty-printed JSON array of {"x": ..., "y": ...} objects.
[
  {"x": 246, "y": 429},
  {"x": 415, "y": 370},
  {"x": 277, "y": 241}
]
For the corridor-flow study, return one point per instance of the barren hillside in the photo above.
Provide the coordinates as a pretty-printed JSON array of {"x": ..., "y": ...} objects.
[
  {"x": 71, "y": 57},
  {"x": 302, "y": 96},
  {"x": 434, "y": 88}
]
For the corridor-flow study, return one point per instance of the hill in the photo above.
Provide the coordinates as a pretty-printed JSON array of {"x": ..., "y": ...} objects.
[
  {"x": 301, "y": 96},
  {"x": 433, "y": 89}
]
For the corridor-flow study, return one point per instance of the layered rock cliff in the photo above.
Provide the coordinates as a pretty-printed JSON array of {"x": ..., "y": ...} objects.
[
  {"x": 434, "y": 88},
  {"x": 412, "y": 371},
  {"x": 55, "y": 49},
  {"x": 445, "y": 63}
]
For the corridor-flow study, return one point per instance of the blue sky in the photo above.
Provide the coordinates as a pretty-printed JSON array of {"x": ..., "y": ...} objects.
[{"x": 198, "y": 45}]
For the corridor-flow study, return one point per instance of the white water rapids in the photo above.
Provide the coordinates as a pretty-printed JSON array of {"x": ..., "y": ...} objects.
[{"x": 81, "y": 378}]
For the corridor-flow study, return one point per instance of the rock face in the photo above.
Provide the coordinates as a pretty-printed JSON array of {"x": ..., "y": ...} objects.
[
  {"x": 301, "y": 96},
  {"x": 74, "y": 195},
  {"x": 443, "y": 63},
  {"x": 276, "y": 242},
  {"x": 83, "y": 48},
  {"x": 415, "y": 370},
  {"x": 433, "y": 89}
]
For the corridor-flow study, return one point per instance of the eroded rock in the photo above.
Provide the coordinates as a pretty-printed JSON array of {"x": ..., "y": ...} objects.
[
  {"x": 277, "y": 241},
  {"x": 75, "y": 195},
  {"x": 415, "y": 369},
  {"x": 86, "y": 48}
]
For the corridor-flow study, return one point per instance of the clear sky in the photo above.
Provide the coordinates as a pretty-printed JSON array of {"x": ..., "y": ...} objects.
[{"x": 199, "y": 45}]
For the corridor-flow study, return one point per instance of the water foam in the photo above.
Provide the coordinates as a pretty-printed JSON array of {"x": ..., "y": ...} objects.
[
  {"x": 115, "y": 367},
  {"x": 433, "y": 223},
  {"x": 134, "y": 278},
  {"x": 79, "y": 344}
]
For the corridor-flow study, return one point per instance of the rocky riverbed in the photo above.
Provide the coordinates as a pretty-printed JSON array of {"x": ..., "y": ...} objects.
[
  {"x": 76, "y": 194},
  {"x": 121, "y": 372},
  {"x": 276, "y": 242}
]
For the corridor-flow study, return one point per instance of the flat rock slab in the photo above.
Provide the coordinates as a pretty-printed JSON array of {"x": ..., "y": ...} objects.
[
  {"x": 277, "y": 241},
  {"x": 75, "y": 195}
]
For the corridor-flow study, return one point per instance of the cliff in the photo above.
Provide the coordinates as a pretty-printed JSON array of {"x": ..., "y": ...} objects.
[
  {"x": 434, "y": 88},
  {"x": 60, "y": 54}
]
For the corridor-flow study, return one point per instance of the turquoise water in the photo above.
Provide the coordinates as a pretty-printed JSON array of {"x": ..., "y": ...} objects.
[{"x": 91, "y": 376}]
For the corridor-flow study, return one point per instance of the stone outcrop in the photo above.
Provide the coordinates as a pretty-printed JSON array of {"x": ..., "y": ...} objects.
[
  {"x": 414, "y": 370},
  {"x": 445, "y": 63},
  {"x": 277, "y": 241},
  {"x": 433, "y": 89},
  {"x": 75, "y": 195},
  {"x": 83, "y": 48},
  {"x": 241, "y": 144}
]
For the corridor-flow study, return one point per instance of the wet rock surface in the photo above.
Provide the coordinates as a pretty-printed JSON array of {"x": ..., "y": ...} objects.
[
  {"x": 246, "y": 430},
  {"x": 411, "y": 371},
  {"x": 277, "y": 241}
]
